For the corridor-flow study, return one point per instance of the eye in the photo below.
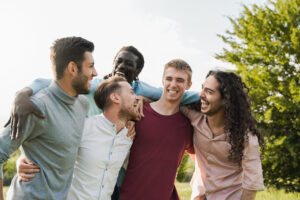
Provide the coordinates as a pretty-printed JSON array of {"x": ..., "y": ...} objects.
[{"x": 180, "y": 80}]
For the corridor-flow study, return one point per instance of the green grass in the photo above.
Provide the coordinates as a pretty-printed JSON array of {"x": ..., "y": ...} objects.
[{"x": 184, "y": 191}]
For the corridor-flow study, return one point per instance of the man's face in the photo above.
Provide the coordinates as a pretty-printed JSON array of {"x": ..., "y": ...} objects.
[
  {"x": 128, "y": 101},
  {"x": 125, "y": 65},
  {"x": 81, "y": 83},
  {"x": 175, "y": 82},
  {"x": 211, "y": 99}
]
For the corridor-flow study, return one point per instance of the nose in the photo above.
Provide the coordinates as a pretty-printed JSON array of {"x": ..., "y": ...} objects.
[
  {"x": 201, "y": 94},
  {"x": 173, "y": 83},
  {"x": 94, "y": 72}
]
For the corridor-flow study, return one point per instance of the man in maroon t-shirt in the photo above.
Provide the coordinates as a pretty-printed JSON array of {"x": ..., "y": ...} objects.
[{"x": 162, "y": 136}]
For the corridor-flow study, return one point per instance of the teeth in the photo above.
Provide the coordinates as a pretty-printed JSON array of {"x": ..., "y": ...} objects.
[
  {"x": 120, "y": 73},
  {"x": 204, "y": 102},
  {"x": 172, "y": 92}
]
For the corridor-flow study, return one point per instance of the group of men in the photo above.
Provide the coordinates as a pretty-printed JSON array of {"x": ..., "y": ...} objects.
[{"x": 108, "y": 156}]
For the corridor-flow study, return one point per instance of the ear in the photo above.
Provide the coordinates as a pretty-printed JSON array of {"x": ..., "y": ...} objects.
[
  {"x": 189, "y": 85},
  {"x": 114, "y": 97},
  {"x": 72, "y": 68}
]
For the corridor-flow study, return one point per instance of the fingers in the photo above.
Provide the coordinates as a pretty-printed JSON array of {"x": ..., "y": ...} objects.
[
  {"x": 7, "y": 123},
  {"x": 26, "y": 166},
  {"x": 25, "y": 177},
  {"x": 37, "y": 112},
  {"x": 20, "y": 126},
  {"x": 13, "y": 125},
  {"x": 131, "y": 129}
]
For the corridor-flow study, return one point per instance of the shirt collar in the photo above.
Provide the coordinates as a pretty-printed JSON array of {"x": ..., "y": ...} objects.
[
  {"x": 113, "y": 126},
  {"x": 59, "y": 93}
]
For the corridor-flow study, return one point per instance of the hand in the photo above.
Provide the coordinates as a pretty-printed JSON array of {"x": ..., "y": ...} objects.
[
  {"x": 130, "y": 125},
  {"x": 139, "y": 108},
  {"x": 25, "y": 168},
  {"x": 22, "y": 107}
]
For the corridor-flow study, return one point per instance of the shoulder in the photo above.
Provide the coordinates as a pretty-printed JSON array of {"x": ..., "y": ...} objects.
[
  {"x": 41, "y": 98},
  {"x": 252, "y": 140},
  {"x": 84, "y": 102}
]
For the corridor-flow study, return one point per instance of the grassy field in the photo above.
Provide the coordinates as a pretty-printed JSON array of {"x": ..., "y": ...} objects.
[{"x": 184, "y": 191}]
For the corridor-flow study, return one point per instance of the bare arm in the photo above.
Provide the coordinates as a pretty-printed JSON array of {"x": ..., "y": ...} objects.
[
  {"x": 1, "y": 190},
  {"x": 22, "y": 107},
  {"x": 248, "y": 194}
]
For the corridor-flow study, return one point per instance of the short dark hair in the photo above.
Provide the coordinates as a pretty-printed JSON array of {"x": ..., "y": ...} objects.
[
  {"x": 180, "y": 64},
  {"x": 140, "y": 62},
  {"x": 69, "y": 49},
  {"x": 104, "y": 90}
]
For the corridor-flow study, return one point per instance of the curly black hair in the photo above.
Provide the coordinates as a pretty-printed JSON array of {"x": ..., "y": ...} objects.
[
  {"x": 238, "y": 116},
  {"x": 140, "y": 62}
]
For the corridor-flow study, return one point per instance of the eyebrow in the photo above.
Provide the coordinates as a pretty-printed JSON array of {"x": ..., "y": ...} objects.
[{"x": 206, "y": 88}]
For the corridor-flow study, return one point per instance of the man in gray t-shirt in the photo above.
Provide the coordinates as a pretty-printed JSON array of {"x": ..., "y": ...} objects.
[{"x": 52, "y": 143}]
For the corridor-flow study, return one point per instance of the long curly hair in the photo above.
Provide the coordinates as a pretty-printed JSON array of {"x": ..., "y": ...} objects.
[{"x": 238, "y": 116}]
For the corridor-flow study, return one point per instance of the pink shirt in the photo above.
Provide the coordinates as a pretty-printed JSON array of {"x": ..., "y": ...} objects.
[{"x": 215, "y": 175}]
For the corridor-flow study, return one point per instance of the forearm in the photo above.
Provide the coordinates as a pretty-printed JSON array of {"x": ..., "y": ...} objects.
[
  {"x": 248, "y": 194},
  {"x": 1, "y": 190}
]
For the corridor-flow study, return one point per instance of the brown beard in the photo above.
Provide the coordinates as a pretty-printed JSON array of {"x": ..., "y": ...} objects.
[{"x": 79, "y": 83}]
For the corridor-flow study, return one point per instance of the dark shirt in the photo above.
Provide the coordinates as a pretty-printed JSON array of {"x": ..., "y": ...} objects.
[{"x": 155, "y": 156}]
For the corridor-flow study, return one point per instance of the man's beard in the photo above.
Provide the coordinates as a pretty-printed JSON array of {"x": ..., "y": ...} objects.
[
  {"x": 79, "y": 83},
  {"x": 127, "y": 113}
]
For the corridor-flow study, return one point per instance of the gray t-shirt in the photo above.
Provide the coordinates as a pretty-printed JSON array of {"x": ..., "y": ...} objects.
[{"x": 50, "y": 143}]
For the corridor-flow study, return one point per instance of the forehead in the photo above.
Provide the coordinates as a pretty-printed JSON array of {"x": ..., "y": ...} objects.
[
  {"x": 211, "y": 82},
  {"x": 88, "y": 57},
  {"x": 125, "y": 85},
  {"x": 126, "y": 55},
  {"x": 175, "y": 73}
]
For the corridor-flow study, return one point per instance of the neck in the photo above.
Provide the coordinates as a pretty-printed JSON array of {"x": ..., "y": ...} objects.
[
  {"x": 165, "y": 107},
  {"x": 112, "y": 114},
  {"x": 66, "y": 85},
  {"x": 216, "y": 123}
]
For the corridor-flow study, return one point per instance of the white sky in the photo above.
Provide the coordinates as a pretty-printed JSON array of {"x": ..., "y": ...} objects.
[{"x": 160, "y": 29}]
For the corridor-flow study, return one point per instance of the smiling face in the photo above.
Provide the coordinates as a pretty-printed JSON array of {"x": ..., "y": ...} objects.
[
  {"x": 211, "y": 99},
  {"x": 175, "y": 82},
  {"x": 81, "y": 82},
  {"x": 125, "y": 64},
  {"x": 128, "y": 101}
]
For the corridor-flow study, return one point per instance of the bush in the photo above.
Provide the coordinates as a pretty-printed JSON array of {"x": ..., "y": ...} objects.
[{"x": 9, "y": 168}]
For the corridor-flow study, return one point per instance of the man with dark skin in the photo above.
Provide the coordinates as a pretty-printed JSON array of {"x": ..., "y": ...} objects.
[{"x": 128, "y": 63}]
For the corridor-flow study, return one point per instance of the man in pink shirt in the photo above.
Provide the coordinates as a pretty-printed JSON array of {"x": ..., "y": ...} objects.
[{"x": 226, "y": 141}]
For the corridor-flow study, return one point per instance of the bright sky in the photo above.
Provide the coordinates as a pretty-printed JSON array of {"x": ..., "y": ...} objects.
[{"x": 161, "y": 29}]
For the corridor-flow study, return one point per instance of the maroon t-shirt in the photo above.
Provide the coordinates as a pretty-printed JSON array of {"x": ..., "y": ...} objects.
[{"x": 155, "y": 156}]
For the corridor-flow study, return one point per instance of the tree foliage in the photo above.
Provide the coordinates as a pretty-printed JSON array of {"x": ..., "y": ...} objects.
[{"x": 264, "y": 45}]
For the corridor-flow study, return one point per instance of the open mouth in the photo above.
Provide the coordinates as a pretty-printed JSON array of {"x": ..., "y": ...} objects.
[
  {"x": 204, "y": 104},
  {"x": 120, "y": 73},
  {"x": 172, "y": 91}
]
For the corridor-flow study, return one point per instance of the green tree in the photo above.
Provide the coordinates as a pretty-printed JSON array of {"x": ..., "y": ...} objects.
[{"x": 264, "y": 45}]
